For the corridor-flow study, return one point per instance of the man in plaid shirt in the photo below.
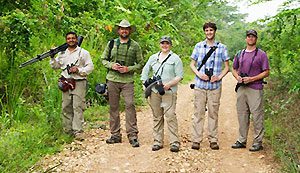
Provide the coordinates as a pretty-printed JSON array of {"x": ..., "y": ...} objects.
[
  {"x": 208, "y": 86},
  {"x": 126, "y": 58}
]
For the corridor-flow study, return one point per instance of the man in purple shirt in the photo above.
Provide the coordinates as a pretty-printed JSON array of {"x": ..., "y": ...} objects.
[{"x": 250, "y": 67}]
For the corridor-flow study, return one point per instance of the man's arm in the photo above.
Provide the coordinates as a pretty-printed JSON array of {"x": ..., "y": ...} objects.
[
  {"x": 223, "y": 73},
  {"x": 195, "y": 70},
  {"x": 260, "y": 76}
]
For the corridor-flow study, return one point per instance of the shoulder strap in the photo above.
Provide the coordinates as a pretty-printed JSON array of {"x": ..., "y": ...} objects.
[
  {"x": 110, "y": 46},
  {"x": 212, "y": 49},
  {"x": 162, "y": 63}
]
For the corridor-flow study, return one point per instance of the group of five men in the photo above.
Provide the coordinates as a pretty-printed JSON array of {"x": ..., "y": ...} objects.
[{"x": 210, "y": 63}]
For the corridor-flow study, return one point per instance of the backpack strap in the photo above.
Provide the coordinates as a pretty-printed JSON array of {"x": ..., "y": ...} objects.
[{"x": 110, "y": 46}]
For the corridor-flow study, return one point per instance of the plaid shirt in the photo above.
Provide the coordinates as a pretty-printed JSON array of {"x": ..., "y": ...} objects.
[
  {"x": 127, "y": 54},
  {"x": 214, "y": 61}
]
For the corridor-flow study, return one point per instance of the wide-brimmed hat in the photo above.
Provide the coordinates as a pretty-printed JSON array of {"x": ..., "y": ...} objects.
[
  {"x": 251, "y": 32},
  {"x": 125, "y": 24}
]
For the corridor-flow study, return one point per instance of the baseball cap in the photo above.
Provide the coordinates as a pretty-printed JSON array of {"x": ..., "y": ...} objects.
[
  {"x": 251, "y": 32},
  {"x": 166, "y": 38}
]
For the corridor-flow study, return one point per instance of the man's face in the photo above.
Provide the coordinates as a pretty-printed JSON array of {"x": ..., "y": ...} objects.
[
  {"x": 124, "y": 32},
  {"x": 209, "y": 33},
  {"x": 251, "y": 40},
  {"x": 71, "y": 40}
]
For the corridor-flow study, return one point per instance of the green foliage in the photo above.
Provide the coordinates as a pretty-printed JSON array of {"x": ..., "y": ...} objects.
[
  {"x": 30, "y": 102},
  {"x": 282, "y": 125},
  {"x": 282, "y": 50},
  {"x": 280, "y": 39}
]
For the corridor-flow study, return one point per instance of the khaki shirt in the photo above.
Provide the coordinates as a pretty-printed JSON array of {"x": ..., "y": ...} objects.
[{"x": 79, "y": 57}]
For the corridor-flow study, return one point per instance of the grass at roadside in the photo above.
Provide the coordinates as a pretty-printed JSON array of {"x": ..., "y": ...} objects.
[{"x": 283, "y": 125}]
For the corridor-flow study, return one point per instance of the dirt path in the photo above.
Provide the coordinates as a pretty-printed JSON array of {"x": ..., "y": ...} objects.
[{"x": 94, "y": 155}]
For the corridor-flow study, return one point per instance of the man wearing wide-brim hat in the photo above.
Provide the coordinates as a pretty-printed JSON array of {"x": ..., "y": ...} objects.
[{"x": 122, "y": 57}]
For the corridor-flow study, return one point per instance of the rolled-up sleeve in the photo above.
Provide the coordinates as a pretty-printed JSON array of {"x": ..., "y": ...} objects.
[
  {"x": 146, "y": 70},
  {"x": 88, "y": 66}
]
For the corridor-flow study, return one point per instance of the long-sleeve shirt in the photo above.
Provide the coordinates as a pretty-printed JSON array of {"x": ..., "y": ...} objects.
[
  {"x": 79, "y": 57},
  {"x": 126, "y": 54},
  {"x": 172, "y": 68}
]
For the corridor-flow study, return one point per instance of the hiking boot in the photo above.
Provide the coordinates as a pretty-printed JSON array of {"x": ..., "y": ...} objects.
[
  {"x": 238, "y": 144},
  {"x": 196, "y": 146},
  {"x": 134, "y": 142},
  {"x": 156, "y": 147},
  {"x": 174, "y": 147},
  {"x": 214, "y": 145},
  {"x": 114, "y": 139},
  {"x": 256, "y": 147},
  {"x": 79, "y": 136}
]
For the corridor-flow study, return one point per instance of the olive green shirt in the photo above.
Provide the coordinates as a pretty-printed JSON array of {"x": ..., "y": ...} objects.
[{"x": 127, "y": 54}]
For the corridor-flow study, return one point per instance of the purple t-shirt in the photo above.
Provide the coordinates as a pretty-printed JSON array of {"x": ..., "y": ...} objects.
[{"x": 260, "y": 63}]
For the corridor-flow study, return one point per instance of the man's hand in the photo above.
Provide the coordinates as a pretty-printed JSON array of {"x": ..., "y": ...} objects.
[
  {"x": 116, "y": 66},
  {"x": 239, "y": 79},
  {"x": 123, "y": 69},
  {"x": 247, "y": 80},
  {"x": 74, "y": 69},
  {"x": 203, "y": 77},
  {"x": 214, "y": 78}
]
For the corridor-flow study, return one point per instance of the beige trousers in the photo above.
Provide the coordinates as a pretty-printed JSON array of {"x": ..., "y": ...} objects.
[
  {"x": 115, "y": 89},
  {"x": 73, "y": 105},
  {"x": 250, "y": 101},
  {"x": 163, "y": 108},
  {"x": 211, "y": 98}
]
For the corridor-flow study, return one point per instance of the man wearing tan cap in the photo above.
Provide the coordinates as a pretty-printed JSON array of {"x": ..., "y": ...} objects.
[{"x": 125, "y": 59}]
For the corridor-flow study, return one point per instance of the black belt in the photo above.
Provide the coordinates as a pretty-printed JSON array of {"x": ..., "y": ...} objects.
[{"x": 77, "y": 80}]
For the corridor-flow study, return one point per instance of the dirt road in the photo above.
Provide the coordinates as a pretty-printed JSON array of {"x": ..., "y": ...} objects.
[{"x": 94, "y": 155}]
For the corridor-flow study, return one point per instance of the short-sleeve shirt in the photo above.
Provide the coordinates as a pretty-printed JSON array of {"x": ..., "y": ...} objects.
[
  {"x": 172, "y": 68},
  {"x": 242, "y": 63},
  {"x": 215, "y": 62}
]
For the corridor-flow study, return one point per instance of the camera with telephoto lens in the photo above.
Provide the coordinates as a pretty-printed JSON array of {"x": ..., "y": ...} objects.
[{"x": 158, "y": 86}]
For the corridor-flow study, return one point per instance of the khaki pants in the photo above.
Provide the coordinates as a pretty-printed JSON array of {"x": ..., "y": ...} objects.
[
  {"x": 250, "y": 101},
  {"x": 163, "y": 108},
  {"x": 73, "y": 105},
  {"x": 127, "y": 90},
  {"x": 212, "y": 99}
]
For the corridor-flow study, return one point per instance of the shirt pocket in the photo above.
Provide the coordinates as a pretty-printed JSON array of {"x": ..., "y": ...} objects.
[{"x": 169, "y": 68}]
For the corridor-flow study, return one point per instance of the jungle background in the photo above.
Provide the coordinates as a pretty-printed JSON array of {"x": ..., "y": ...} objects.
[{"x": 30, "y": 102}]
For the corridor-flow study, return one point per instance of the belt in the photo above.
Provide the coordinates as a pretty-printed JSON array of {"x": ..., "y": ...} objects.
[{"x": 77, "y": 80}]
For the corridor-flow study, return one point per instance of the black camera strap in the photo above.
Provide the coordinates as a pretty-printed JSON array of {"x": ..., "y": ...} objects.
[
  {"x": 162, "y": 63},
  {"x": 256, "y": 50},
  {"x": 208, "y": 54}
]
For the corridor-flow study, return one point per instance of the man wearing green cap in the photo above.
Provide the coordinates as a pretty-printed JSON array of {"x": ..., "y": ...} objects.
[{"x": 125, "y": 59}]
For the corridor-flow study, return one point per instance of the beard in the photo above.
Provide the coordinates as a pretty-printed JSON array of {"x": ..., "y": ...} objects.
[{"x": 124, "y": 36}]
